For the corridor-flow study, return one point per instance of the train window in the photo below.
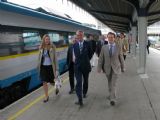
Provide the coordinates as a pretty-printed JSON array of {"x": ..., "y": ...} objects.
[
  {"x": 54, "y": 37},
  {"x": 31, "y": 40},
  {"x": 59, "y": 39},
  {"x": 70, "y": 38},
  {"x": 12, "y": 43}
]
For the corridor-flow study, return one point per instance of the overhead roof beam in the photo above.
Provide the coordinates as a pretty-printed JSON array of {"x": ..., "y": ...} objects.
[
  {"x": 154, "y": 13},
  {"x": 119, "y": 30},
  {"x": 143, "y": 3},
  {"x": 150, "y": 4},
  {"x": 109, "y": 23},
  {"x": 117, "y": 25},
  {"x": 110, "y": 13},
  {"x": 113, "y": 21},
  {"x": 153, "y": 21},
  {"x": 134, "y": 3}
]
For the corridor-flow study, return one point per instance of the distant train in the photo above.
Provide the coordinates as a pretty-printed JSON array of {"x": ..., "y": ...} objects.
[{"x": 21, "y": 30}]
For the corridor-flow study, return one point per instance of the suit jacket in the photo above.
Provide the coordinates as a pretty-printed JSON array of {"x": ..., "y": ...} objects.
[
  {"x": 70, "y": 56},
  {"x": 82, "y": 60},
  {"x": 99, "y": 46},
  {"x": 106, "y": 62},
  {"x": 125, "y": 45},
  {"x": 93, "y": 46}
]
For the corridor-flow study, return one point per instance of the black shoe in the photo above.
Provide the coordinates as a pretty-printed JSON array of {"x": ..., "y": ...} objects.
[
  {"x": 79, "y": 103},
  {"x": 84, "y": 95},
  {"x": 112, "y": 103},
  {"x": 46, "y": 100},
  {"x": 56, "y": 91},
  {"x": 71, "y": 91},
  {"x": 52, "y": 83}
]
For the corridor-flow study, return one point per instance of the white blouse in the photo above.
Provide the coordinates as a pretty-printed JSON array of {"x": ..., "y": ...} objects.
[{"x": 47, "y": 60}]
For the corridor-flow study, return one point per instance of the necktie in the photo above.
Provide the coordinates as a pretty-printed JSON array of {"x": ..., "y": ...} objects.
[
  {"x": 81, "y": 46},
  {"x": 73, "y": 56},
  {"x": 110, "y": 50}
]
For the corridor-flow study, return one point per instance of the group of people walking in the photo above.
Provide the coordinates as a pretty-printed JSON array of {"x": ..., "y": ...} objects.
[{"x": 111, "y": 53}]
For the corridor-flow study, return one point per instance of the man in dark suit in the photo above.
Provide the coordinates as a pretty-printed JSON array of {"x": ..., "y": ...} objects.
[
  {"x": 70, "y": 65},
  {"x": 93, "y": 47},
  {"x": 102, "y": 41},
  {"x": 82, "y": 53},
  {"x": 148, "y": 45},
  {"x": 93, "y": 43}
]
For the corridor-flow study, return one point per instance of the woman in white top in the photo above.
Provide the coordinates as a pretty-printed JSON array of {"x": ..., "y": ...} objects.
[{"x": 47, "y": 63}]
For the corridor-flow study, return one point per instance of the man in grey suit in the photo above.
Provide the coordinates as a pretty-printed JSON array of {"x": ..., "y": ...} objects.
[{"x": 110, "y": 61}]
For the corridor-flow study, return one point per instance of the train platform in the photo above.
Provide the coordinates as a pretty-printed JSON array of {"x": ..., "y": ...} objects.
[{"x": 138, "y": 99}]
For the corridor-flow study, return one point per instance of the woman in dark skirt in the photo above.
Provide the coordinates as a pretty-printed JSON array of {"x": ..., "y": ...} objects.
[
  {"x": 46, "y": 74},
  {"x": 47, "y": 64}
]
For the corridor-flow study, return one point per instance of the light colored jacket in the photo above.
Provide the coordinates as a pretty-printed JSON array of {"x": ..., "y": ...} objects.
[
  {"x": 53, "y": 56},
  {"x": 105, "y": 62},
  {"x": 125, "y": 46}
]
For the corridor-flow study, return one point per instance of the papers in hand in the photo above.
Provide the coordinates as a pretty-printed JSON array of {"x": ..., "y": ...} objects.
[{"x": 58, "y": 84}]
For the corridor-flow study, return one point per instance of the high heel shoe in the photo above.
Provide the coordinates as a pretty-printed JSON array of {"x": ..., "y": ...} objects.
[
  {"x": 46, "y": 100},
  {"x": 56, "y": 91}
]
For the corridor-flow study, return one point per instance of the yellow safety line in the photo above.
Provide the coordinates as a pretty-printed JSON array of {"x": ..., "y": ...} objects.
[
  {"x": 13, "y": 117},
  {"x": 24, "y": 54},
  {"x": 18, "y": 55}
]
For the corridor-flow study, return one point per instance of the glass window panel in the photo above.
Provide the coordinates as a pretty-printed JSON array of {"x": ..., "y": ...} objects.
[
  {"x": 59, "y": 39},
  {"x": 12, "y": 43}
]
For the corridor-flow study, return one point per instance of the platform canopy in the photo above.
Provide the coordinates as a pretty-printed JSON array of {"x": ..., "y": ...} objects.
[{"x": 120, "y": 15}]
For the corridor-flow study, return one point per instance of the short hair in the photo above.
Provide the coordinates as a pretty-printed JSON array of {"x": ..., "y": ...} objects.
[
  {"x": 123, "y": 34},
  {"x": 111, "y": 33},
  {"x": 79, "y": 31}
]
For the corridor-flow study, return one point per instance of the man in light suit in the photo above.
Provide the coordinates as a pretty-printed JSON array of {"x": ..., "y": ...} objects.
[
  {"x": 109, "y": 61},
  {"x": 82, "y": 53}
]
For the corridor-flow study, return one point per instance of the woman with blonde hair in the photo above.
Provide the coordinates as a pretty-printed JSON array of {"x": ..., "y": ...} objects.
[{"x": 47, "y": 63}]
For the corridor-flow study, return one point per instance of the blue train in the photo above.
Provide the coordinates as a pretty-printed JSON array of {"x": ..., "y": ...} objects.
[{"x": 21, "y": 30}]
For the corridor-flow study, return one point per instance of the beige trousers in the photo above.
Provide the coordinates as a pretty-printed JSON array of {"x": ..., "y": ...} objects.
[{"x": 112, "y": 84}]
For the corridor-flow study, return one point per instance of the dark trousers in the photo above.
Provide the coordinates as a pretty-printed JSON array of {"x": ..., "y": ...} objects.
[
  {"x": 129, "y": 48},
  {"x": 71, "y": 76},
  {"x": 124, "y": 56},
  {"x": 81, "y": 77},
  {"x": 148, "y": 49}
]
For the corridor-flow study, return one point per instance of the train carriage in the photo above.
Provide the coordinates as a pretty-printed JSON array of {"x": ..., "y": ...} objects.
[{"x": 21, "y": 30}]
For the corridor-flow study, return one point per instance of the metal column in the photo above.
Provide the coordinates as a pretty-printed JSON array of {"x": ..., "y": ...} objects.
[
  {"x": 142, "y": 38},
  {"x": 134, "y": 37}
]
